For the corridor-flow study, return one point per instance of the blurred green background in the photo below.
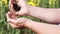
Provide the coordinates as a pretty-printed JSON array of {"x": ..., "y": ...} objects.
[{"x": 4, "y": 26}]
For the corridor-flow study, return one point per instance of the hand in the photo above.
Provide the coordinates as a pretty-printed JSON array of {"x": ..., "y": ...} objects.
[
  {"x": 16, "y": 22},
  {"x": 22, "y": 4}
]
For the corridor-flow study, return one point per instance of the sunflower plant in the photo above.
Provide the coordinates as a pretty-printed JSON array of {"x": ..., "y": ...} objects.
[
  {"x": 33, "y": 2},
  {"x": 4, "y": 1}
]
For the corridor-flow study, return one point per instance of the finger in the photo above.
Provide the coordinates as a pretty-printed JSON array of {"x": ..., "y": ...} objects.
[
  {"x": 12, "y": 1},
  {"x": 13, "y": 25},
  {"x": 12, "y": 21},
  {"x": 11, "y": 8},
  {"x": 17, "y": 21},
  {"x": 11, "y": 15},
  {"x": 8, "y": 15},
  {"x": 11, "y": 5}
]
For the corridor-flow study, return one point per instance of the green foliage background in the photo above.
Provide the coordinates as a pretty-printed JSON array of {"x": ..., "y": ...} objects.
[{"x": 4, "y": 26}]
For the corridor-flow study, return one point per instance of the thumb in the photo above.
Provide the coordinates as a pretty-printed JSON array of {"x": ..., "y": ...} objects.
[{"x": 19, "y": 13}]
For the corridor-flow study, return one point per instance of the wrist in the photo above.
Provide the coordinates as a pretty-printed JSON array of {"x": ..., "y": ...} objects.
[
  {"x": 29, "y": 9},
  {"x": 28, "y": 23}
]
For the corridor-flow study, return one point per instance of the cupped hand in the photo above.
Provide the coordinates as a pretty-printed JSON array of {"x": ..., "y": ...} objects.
[{"x": 15, "y": 22}]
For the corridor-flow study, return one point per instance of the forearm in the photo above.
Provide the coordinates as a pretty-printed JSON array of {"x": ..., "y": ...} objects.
[
  {"x": 42, "y": 28},
  {"x": 48, "y": 15}
]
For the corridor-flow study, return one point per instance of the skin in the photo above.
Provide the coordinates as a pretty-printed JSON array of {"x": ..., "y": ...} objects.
[
  {"x": 38, "y": 27},
  {"x": 48, "y": 15}
]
